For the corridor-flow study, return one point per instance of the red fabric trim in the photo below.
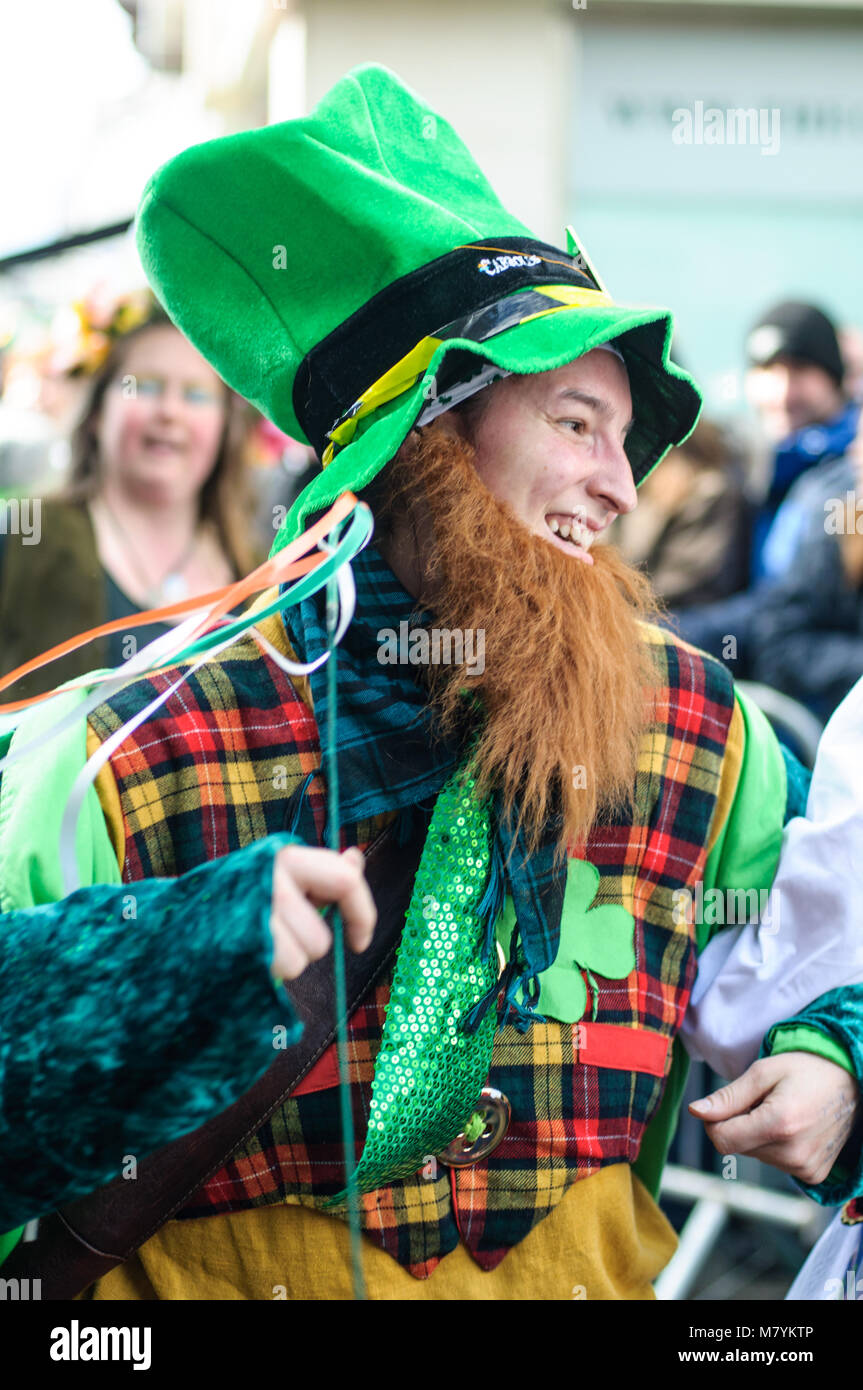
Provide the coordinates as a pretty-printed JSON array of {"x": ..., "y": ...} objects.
[
  {"x": 323, "y": 1075},
  {"x": 624, "y": 1049},
  {"x": 599, "y": 1045}
]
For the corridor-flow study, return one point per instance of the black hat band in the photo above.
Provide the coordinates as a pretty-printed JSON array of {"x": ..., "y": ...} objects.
[{"x": 338, "y": 369}]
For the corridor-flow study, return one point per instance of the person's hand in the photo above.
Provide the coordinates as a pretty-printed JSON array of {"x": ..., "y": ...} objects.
[
  {"x": 305, "y": 879},
  {"x": 794, "y": 1111}
]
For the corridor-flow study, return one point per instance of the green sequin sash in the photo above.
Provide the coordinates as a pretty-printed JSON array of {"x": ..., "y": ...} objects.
[{"x": 429, "y": 1072}]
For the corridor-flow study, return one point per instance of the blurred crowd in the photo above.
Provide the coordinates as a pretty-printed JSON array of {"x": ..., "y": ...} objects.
[
  {"x": 756, "y": 546},
  {"x": 167, "y": 485}
]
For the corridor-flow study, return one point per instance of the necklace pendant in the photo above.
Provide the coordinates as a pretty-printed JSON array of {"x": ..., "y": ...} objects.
[{"x": 174, "y": 588}]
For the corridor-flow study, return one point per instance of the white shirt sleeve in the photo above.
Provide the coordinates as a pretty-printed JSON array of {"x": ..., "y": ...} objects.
[{"x": 810, "y": 937}]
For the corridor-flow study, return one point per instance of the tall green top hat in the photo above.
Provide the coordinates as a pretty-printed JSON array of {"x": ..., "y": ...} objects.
[{"x": 342, "y": 270}]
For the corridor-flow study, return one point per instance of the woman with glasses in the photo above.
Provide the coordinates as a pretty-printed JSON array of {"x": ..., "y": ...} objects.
[{"x": 155, "y": 510}]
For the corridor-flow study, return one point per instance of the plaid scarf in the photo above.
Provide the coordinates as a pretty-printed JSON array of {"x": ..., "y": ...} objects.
[{"x": 393, "y": 758}]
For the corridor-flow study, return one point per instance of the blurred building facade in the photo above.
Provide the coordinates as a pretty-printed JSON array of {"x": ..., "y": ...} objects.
[{"x": 572, "y": 109}]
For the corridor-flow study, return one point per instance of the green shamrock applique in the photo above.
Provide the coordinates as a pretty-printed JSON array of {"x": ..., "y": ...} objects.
[{"x": 593, "y": 939}]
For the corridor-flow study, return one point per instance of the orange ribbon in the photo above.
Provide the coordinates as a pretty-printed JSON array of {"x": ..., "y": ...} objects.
[{"x": 289, "y": 563}]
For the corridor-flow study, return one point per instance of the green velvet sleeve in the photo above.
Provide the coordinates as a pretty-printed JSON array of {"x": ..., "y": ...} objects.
[{"x": 129, "y": 1015}]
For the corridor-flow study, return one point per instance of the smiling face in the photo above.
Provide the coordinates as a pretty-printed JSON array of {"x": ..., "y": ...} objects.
[
  {"x": 551, "y": 446},
  {"x": 162, "y": 419},
  {"x": 567, "y": 675}
]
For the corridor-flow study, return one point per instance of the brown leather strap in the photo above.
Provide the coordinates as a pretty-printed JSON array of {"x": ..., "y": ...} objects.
[{"x": 90, "y": 1236}]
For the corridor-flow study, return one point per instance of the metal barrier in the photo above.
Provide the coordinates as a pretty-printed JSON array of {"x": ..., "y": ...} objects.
[
  {"x": 788, "y": 717},
  {"x": 714, "y": 1201}
]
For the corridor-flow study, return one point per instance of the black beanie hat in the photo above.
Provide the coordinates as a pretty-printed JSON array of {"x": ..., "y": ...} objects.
[{"x": 796, "y": 330}]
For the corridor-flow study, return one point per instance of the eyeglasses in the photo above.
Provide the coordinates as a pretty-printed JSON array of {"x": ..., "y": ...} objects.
[{"x": 152, "y": 387}]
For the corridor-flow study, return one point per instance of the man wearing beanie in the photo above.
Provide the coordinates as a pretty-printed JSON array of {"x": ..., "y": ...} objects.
[
  {"x": 797, "y": 335},
  {"x": 795, "y": 382},
  {"x": 807, "y": 626},
  {"x": 558, "y": 783}
]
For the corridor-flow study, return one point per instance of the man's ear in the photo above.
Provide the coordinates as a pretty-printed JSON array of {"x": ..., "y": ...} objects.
[{"x": 451, "y": 423}]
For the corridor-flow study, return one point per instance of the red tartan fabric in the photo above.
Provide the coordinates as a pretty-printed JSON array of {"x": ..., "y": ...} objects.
[
  {"x": 201, "y": 785},
  {"x": 216, "y": 767}
]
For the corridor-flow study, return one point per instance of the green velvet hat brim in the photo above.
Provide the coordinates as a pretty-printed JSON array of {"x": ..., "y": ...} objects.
[{"x": 666, "y": 402}]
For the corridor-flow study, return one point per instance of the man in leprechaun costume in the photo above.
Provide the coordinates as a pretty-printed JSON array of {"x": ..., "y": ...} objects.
[{"x": 514, "y": 1071}]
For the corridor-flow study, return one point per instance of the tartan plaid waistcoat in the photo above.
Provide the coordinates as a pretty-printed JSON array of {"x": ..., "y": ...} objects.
[{"x": 215, "y": 770}]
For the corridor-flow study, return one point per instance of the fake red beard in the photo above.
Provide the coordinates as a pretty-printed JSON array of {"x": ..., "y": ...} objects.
[{"x": 552, "y": 645}]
